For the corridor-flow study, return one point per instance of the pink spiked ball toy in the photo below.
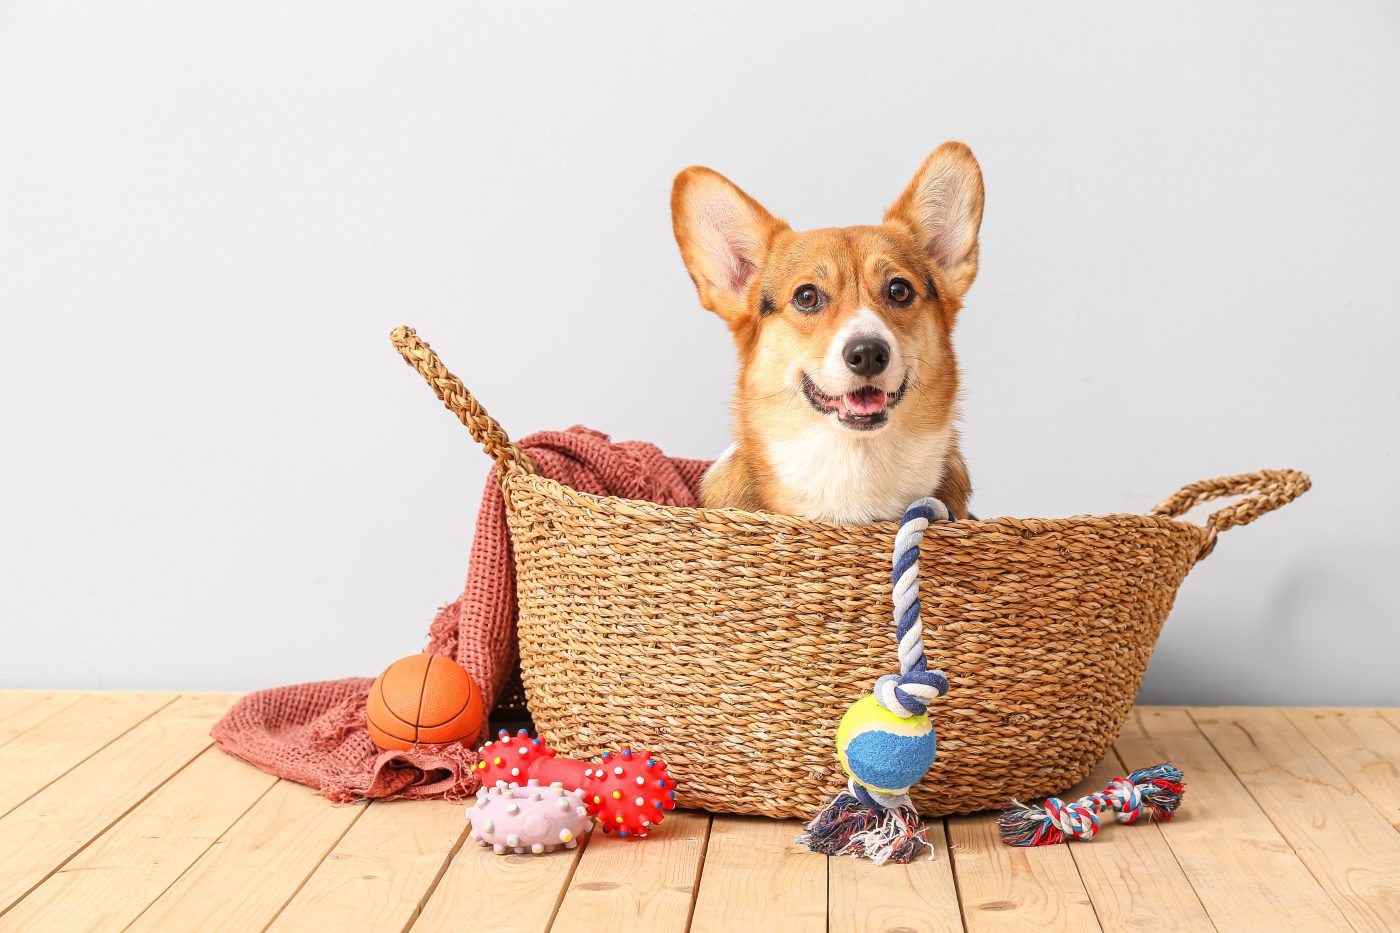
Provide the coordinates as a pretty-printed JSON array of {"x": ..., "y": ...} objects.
[
  {"x": 529, "y": 819},
  {"x": 628, "y": 791}
]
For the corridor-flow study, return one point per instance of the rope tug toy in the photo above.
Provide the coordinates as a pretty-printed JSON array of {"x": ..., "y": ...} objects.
[
  {"x": 1153, "y": 792},
  {"x": 886, "y": 743}
]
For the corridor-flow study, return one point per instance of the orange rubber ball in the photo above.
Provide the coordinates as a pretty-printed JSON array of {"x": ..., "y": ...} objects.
[{"x": 425, "y": 699}]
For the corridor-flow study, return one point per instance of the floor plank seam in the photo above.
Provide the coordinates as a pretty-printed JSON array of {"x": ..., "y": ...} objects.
[
  {"x": 953, "y": 870},
  {"x": 828, "y": 893},
  {"x": 76, "y": 764},
  {"x": 437, "y": 879},
  {"x": 72, "y": 701},
  {"x": 102, "y": 832},
  {"x": 1358, "y": 791},
  {"x": 579, "y": 850},
  {"x": 1156, "y": 825},
  {"x": 700, "y": 871},
  {"x": 195, "y": 861},
  {"x": 1248, "y": 789},
  {"x": 1088, "y": 898},
  {"x": 1380, "y": 713},
  {"x": 1031, "y": 852},
  {"x": 315, "y": 868}
]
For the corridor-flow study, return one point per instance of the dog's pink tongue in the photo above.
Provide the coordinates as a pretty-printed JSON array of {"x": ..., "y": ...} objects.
[{"x": 868, "y": 401}]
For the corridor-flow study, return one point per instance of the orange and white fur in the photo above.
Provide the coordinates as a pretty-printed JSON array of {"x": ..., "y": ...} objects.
[{"x": 848, "y": 386}]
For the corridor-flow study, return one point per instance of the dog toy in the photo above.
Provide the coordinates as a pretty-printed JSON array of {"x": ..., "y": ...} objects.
[
  {"x": 885, "y": 741},
  {"x": 1153, "y": 792},
  {"x": 424, "y": 699},
  {"x": 534, "y": 818},
  {"x": 628, "y": 791}
]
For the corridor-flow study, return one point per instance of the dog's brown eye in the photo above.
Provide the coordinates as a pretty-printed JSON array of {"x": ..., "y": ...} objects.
[
  {"x": 900, "y": 291},
  {"x": 806, "y": 298}
]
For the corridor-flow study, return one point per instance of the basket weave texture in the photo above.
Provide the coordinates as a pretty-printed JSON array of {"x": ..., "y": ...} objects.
[{"x": 731, "y": 642}]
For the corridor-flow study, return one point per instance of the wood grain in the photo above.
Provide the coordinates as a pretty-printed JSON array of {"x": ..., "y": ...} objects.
[
  {"x": 380, "y": 874},
  {"x": 1007, "y": 888},
  {"x": 1352, "y": 851},
  {"x": 114, "y": 879},
  {"x": 637, "y": 885},
  {"x": 39, "y": 756},
  {"x": 21, "y": 711},
  {"x": 756, "y": 878},
  {"x": 247, "y": 876},
  {"x": 40, "y": 835},
  {"x": 1362, "y": 745},
  {"x": 920, "y": 896},
  {"x": 507, "y": 893},
  {"x": 1132, "y": 877},
  {"x": 1245, "y": 873},
  {"x": 121, "y": 813}
]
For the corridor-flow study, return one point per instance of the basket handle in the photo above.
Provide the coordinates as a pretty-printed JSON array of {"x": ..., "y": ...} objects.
[
  {"x": 487, "y": 431},
  {"x": 1263, "y": 491}
]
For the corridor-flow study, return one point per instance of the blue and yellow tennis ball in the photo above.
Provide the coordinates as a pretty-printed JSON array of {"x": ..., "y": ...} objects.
[{"x": 882, "y": 751}]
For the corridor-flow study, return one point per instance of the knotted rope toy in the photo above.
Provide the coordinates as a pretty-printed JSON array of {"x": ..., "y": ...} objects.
[
  {"x": 1153, "y": 792},
  {"x": 886, "y": 742}
]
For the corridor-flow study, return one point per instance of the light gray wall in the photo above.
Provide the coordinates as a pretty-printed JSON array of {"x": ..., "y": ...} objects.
[{"x": 217, "y": 474}]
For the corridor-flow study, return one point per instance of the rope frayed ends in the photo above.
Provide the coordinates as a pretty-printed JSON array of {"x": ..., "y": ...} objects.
[
  {"x": 1152, "y": 793},
  {"x": 849, "y": 826}
]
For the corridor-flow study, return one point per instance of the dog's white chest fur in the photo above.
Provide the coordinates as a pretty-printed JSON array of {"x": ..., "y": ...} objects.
[{"x": 841, "y": 477}]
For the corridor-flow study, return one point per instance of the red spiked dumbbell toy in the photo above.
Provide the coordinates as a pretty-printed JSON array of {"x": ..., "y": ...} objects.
[{"x": 628, "y": 791}]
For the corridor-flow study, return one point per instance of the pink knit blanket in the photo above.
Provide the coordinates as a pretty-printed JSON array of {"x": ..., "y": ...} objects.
[{"x": 315, "y": 733}]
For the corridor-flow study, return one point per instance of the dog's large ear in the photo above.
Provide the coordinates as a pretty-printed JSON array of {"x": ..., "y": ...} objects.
[
  {"x": 942, "y": 208},
  {"x": 724, "y": 236}
]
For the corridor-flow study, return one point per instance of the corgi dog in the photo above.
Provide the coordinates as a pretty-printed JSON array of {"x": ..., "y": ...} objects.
[{"x": 846, "y": 401}]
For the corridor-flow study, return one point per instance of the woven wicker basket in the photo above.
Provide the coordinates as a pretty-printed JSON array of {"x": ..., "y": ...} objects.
[{"x": 730, "y": 642}]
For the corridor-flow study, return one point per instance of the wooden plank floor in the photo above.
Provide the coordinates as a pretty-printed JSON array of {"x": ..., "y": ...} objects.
[{"x": 117, "y": 813}]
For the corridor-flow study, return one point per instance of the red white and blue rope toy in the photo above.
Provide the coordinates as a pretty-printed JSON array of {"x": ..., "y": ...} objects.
[
  {"x": 886, "y": 743},
  {"x": 1153, "y": 793}
]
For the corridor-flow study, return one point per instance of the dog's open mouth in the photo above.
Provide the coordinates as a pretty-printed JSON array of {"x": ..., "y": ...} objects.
[{"x": 865, "y": 409}]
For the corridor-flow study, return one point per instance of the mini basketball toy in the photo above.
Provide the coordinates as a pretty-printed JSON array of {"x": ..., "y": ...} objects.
[
  {"x": 628, "y": 791},
  {"x": 425, "y": 699},
  {"x": 886, "y": 743},
  {"x": 530, "y": 818}
]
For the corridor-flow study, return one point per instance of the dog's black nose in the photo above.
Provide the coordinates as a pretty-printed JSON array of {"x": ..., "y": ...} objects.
[{"x": 867, "y": 356}]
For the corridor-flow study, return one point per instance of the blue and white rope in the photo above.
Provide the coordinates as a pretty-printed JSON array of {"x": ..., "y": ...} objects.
[
  {"x": 910, "y": 692},
  {"x": 882, "y": 824}
]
